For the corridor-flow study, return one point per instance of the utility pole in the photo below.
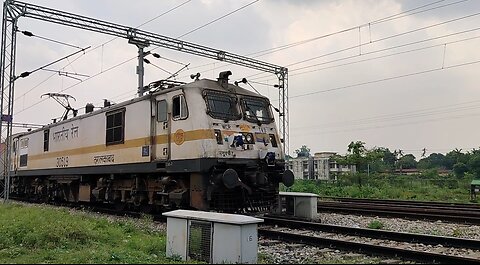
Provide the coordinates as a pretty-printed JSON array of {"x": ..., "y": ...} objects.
[{"x": 141, "y": 44}]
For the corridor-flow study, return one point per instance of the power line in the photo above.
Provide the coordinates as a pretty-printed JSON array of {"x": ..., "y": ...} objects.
[
  {"x": 380, "y": 57},
  {"x": 378, "y": 40},
  {"x": 287, "y": 46},
  {"x": 30, "y": 34},
  {"x": 394, "y": 125},
  {"x": 429, "y": 9},
  {"x": 62, "y": 90},
  {"x": 387, "y": 79},
  {"x": 164, "y": 13},
  {"x": 217, "y": 19},
  {"x": 294, "y": 44},
  {"x": 399, "y": 116}
]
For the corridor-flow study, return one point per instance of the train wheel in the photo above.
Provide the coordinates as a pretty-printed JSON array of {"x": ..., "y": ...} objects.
[
  {"x": 147, "y": 208},
  {"x": 119, "y": 206}
]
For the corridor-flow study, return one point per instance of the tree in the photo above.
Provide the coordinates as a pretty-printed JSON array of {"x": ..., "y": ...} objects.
[
  {"x": 388, "y": 158},
  {"x": 381, "y": 159},
  {"x": 407, "y": 161},
  {"x": 357, "y": 155},
  {"x": 304, "y": 151},
  {"x": 474, "y": 165},
  {"x": 434, "y": 160},
  {"x": 456, "y": 156},
  {"x": 459, "y": 169},
  {"x": 376, "y": 159}
]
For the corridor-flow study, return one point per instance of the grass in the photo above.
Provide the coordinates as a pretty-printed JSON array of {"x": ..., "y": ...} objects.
[
  {"x": 375, "y": 224},
  {"x": 42, "y": 234},
  {"x": 444, "y": 189}
]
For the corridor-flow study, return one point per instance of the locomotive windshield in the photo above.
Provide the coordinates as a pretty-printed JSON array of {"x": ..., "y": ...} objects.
[
  {"x": 221, "y": 106},
  {"x": 256, "y": 110}
]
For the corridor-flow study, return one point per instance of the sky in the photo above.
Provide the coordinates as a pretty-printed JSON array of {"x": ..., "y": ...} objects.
[{"x": 400, "y": 74}]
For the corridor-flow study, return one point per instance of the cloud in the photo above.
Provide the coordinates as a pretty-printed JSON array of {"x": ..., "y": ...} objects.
[{"x": 324, "y": 121}]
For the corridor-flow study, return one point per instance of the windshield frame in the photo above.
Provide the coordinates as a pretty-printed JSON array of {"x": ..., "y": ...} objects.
[
  {"x": 213, "y": 95},
  {"x": 255, "y": 118}
]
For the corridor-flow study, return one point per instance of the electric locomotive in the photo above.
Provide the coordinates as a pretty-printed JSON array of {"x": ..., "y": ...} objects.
[{"x": 207, "y": 145}]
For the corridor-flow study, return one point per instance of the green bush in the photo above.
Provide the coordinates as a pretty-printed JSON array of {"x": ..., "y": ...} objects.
[{"x": 375, "y": 224}]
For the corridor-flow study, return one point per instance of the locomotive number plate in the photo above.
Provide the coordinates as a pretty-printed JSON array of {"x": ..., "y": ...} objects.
[{"x": 62, "y": 161}]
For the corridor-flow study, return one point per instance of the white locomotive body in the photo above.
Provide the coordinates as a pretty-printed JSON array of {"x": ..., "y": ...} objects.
[{"x": 206, "y": 145}]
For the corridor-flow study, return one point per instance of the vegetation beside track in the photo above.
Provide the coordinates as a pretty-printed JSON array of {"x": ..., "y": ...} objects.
[
  {"x": 43, "y": 234},
  {"x": 426, "y": 187}
]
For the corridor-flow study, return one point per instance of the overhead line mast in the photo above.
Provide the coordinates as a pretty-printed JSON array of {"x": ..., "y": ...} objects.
[{"x": 14, "y": 10}]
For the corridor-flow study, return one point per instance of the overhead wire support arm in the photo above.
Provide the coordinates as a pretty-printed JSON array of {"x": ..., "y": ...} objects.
[{"x": 77, "y": 21}]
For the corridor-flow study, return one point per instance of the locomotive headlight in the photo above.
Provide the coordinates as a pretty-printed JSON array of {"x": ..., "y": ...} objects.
[
  {"x": 248, "y": 138},
  {"x": 273, "y": 140},
  {"x": 218, "y": 136}
]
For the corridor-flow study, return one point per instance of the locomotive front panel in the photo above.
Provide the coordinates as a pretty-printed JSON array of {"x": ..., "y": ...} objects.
[{"x": 229, "y": 143}]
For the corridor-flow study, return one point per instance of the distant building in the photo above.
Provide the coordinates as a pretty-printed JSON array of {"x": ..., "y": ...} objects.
[
  {"x": 416, "y": 171},
  {"x": 318, "y": 167}
]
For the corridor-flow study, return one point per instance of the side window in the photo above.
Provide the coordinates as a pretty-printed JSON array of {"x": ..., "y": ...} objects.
[
  {"x": 115, "y": 127},
  {"x": 46, "y": 137},
  {"x": 179, "y": 108},
  {"x": 162, "y": 110}
]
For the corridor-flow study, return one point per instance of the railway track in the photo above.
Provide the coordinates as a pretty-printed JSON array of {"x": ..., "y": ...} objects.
[
  {"x": 299, "y": 235},
  {"x": 461, "y": 213},
  {"x": 403, "y": 202}
]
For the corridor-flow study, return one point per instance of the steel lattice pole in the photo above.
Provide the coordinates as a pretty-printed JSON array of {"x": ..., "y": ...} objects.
[
  {"x": 7, "y": 79},
  {"x": 283, "y": 106}
]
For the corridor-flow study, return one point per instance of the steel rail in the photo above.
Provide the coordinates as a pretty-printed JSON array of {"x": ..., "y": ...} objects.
[
  {"x": 367, "y": 248},
  {"x": 375, "y": 233},
  {"x": 407, "y": 208},
  {"x": 403, "y": 202},
  {"x": 396, "y": 213}
]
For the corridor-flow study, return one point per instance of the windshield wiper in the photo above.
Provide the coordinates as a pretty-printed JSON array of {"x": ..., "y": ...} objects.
[{"x": 253, "y": 113}]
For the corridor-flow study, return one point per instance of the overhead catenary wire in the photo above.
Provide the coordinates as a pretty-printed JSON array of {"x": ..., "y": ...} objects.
[
  {"x": 457, "y": 107},
  {"x": 372, "y": 42},
  {"x": 386, "y": 79},
  {"x": 292, "y": 71},
  {"x": 294, "y": 44},
  {"x": 217, "y": 19},
  {"x": 391, "y": 125},
  {"x": 30, "y": 34},
  {"x": 27, "y": 73}
]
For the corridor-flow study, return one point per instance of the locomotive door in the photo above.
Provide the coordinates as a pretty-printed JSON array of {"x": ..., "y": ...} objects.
[
  {"x": 179, "y": 131},
  {"x": 162, "y": 130},
  {"x": 15, "y": 156}
]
